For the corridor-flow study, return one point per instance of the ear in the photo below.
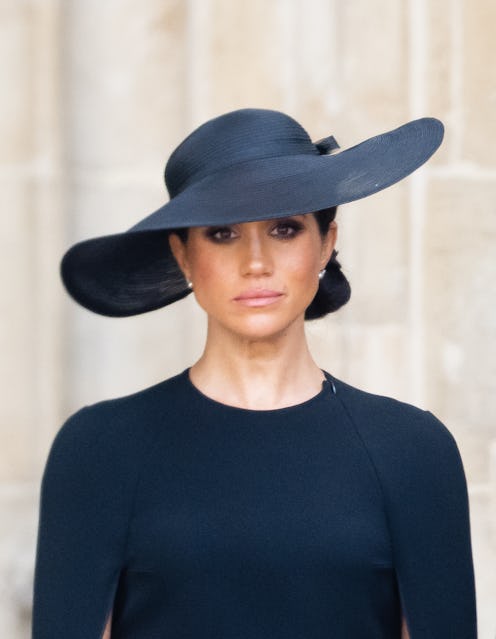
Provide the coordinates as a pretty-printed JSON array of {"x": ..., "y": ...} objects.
[
  {"x": 178, "y": 249},
  {"x": 328, "y": 243}
]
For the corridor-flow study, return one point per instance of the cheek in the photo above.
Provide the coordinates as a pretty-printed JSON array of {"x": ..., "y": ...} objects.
[
  {"x": 210, "y": 274},
  {"x": 302, "y": 266}
]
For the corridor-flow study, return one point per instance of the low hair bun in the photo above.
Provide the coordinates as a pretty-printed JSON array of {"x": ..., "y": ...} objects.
[{"x": 333, "y": 293}]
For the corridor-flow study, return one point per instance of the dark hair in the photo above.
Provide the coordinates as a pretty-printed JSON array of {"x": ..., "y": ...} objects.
[{"x": 334, "y": 289}]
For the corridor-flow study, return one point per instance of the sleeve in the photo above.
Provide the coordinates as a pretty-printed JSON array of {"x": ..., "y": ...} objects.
[
  {"x": 428, "y": 511},
  {"x": 83, "y": 520}
]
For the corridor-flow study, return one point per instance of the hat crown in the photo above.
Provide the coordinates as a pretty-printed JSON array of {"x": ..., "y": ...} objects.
[{"x": 236, "y": 137}]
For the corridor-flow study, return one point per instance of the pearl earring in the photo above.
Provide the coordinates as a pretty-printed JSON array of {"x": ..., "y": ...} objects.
[
  {"x": 190, "y": 284},
  {"x": 322, "y": 273}
]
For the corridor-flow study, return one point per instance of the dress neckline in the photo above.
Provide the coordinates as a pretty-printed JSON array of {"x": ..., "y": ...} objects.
[{"x": 327, "y": 390}]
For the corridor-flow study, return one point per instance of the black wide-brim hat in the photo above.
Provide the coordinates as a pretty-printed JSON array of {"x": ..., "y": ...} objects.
[{"x": 246, "y": 165}]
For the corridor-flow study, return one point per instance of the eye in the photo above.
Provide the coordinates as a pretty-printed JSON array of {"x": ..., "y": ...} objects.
[
  {"x": 220, "y": 233},
  {"x": 287, "y": 229}
]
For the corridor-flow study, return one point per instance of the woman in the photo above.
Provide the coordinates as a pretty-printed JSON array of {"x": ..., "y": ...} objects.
[{"x": 252, "y": 495}]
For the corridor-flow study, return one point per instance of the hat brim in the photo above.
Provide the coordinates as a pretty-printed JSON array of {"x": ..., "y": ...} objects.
[{"x": 134, "y": 272}]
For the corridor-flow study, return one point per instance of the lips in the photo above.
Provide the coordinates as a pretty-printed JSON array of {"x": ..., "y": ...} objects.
[{"x": 258, "y": 297}]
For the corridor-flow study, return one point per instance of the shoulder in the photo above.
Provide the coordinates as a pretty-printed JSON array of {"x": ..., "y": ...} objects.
[
  {"x": 116, "y": 432},
  {"x": 415, "y": 456},
  {"x": 135, "y": 412},
  {"x": 379, "y": 411},
  {"x": 392, "y": 428}
]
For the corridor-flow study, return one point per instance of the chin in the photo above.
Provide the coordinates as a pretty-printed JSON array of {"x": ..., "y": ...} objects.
[{"x": 264, "y": 326}]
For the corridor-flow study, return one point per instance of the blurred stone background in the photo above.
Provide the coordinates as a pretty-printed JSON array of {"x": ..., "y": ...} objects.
[{"x": 96, "y": 94}]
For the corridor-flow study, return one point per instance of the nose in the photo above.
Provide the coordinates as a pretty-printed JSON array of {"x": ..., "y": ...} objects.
[{"x": 256, "y": 257}]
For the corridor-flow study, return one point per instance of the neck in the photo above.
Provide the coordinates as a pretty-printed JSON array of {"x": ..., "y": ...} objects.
[{"x": 260, "y": 374}]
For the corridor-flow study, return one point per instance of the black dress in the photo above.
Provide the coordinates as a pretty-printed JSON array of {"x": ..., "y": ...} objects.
[{"x": 198, "y": 520}]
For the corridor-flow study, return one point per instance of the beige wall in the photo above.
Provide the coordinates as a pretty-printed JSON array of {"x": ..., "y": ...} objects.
[{"x": 97, "y": 93}]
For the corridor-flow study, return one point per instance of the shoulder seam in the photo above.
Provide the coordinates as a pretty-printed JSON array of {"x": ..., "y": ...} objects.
[{"x": 376, "y": 473}]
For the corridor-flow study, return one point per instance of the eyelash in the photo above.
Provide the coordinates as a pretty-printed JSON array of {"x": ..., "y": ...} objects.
[
  {"x": 294, "y": 227},
  {"x": 212, "y": 232}
]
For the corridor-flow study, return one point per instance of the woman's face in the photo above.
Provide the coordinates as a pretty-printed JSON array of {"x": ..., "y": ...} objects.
[{"x": 255, "y": 278}]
